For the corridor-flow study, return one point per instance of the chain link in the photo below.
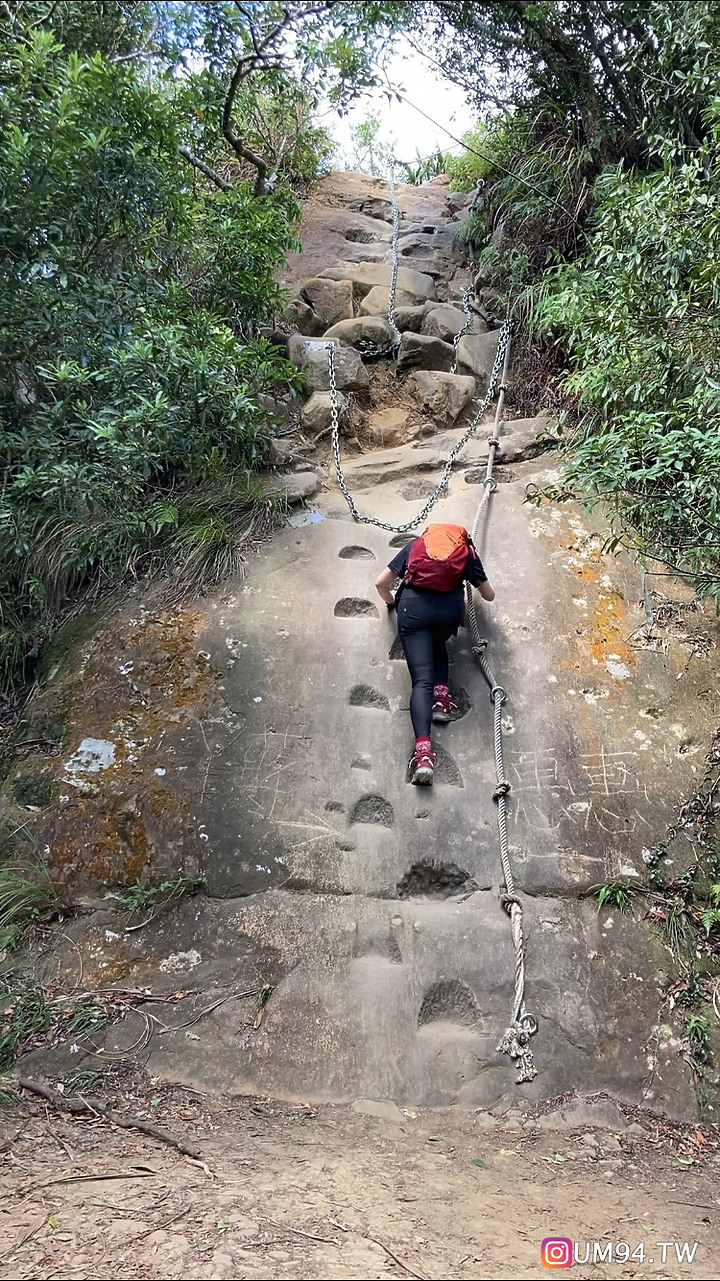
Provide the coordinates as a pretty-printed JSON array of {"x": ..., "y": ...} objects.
[
  {"x": 469, "y": 317},
  {"x": 503, "y": 341}
]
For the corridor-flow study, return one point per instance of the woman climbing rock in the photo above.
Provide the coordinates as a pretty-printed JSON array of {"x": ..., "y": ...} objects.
[{"x": 430, "y": 606}]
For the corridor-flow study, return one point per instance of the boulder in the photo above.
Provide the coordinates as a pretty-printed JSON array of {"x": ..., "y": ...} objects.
[
  {"x": 363, "y": 332},
  {"x": 377, "y": 301},
  {"x": 294, "y": 487},
  {"x": 312, "y": 359},
  {"x": 443, "y": 322},
  {"x": 388, "y": 426},
  {"x": 304, "y": 319},
  {"x": 442, "y": 396},
  {"x": 476, "y": 354},
  {"x": 330, "y": 300},
  {"x": 316, "y": 415},
  {"x": 421, "y": 351},
  {"x": 458, "y": 200},
  {"x": 366, "y": 274},
  {"x": 410, "y": 318}
]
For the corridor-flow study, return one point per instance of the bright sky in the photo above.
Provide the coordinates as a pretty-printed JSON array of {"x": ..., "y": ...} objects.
[{"x": 420, "y": 81}]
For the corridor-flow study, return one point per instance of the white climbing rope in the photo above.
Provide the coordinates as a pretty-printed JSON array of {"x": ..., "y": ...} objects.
[{"x": 523, "y": 1025}]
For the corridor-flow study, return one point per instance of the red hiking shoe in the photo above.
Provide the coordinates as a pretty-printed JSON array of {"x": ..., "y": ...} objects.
[
  {"x": 442, "y": 708},
  {"x": 422, "y": 764}
]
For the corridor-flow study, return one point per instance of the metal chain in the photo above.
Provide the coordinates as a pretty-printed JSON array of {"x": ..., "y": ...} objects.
[
  {"x": 499, "y": 363},
  {"x": 469, "y": 317},
  {"x": 523, "y": 1025}
]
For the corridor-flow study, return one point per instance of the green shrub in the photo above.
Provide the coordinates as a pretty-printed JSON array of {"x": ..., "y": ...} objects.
[
  {"x": 131, "y": 296},
  {"x": 638, "y": 316}
]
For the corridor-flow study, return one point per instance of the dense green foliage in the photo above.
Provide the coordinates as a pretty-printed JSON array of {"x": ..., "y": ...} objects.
[
  {"x": 150, "y": 155},
  {"x": 638, "y": 315},
  {"x": 129, "y": 301},
  {"x": 598, "y": 220}
]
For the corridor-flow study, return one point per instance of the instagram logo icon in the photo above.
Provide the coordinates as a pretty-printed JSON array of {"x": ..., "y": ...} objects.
[{"x": 556, "y": 1252}]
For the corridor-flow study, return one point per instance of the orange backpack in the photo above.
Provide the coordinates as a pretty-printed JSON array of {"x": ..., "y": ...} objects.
[{"x": 438, "y": 558}]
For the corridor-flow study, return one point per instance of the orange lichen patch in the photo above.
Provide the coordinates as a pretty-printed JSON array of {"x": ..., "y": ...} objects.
[
  {"x": 602, "y": 635},
  {"x": 608, "y": 634},
  {"x": 136, "y": 685}
]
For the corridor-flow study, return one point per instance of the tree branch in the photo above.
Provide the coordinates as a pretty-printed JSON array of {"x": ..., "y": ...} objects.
[
  {"x": 187, "y": 154},
  {"x": 261, "y": 59}
]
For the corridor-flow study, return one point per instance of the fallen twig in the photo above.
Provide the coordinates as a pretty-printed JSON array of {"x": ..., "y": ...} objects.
[
  {"x": 98, "y": 1105},
  {"x": 400, "y": 1262},
  {"x": 26, "y": 1237},
  {"x": 221, "y": 1001},
  {"x": 310, "y": 1236}
]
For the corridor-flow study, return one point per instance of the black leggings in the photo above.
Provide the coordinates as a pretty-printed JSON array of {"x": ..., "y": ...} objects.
[{"x": 426, "y": 620}]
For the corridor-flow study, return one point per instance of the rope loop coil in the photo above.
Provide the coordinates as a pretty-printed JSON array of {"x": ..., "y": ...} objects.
[{"x": 502, "y": 789}]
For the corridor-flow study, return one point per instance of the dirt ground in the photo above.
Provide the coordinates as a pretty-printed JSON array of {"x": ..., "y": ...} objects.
[{"x": 284, "y": 1191}]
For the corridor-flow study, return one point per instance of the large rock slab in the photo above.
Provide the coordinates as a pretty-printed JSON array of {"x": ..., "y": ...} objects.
[
  {"x": 363, "y": 332},
  {"x": 390, "y": 465},
  {"x": 476, "y": 354},
  {"x": 444, "y": 322},
  {"x": 420, "y": 351},
  {"x": 311, "y": 358},
  {"x": 330, "y": 300},
  {"x": 419, "y": 286},
  {"x": 525, "y": 438},
  {"x": 442, "y": 396}
]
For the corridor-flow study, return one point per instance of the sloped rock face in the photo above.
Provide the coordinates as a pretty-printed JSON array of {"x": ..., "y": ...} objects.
[{"x": 262, "y": 739}]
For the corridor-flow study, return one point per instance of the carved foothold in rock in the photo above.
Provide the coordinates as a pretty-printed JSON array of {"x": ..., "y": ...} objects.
[
  {"x": 311, "y": 358},
  {"x": 443, "y": 322},
  {"x": 419, "y": 245},
  {"x": 330, "y": 300},
  {"x": 476, "y": 354},
  {"x": 366, "y": 274},
  {"x": 442, "y": 396},
  {"x": 421, "y": 351},
  {"x": 363, "y": 332},
  {"x": 316, "y": 415}
]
